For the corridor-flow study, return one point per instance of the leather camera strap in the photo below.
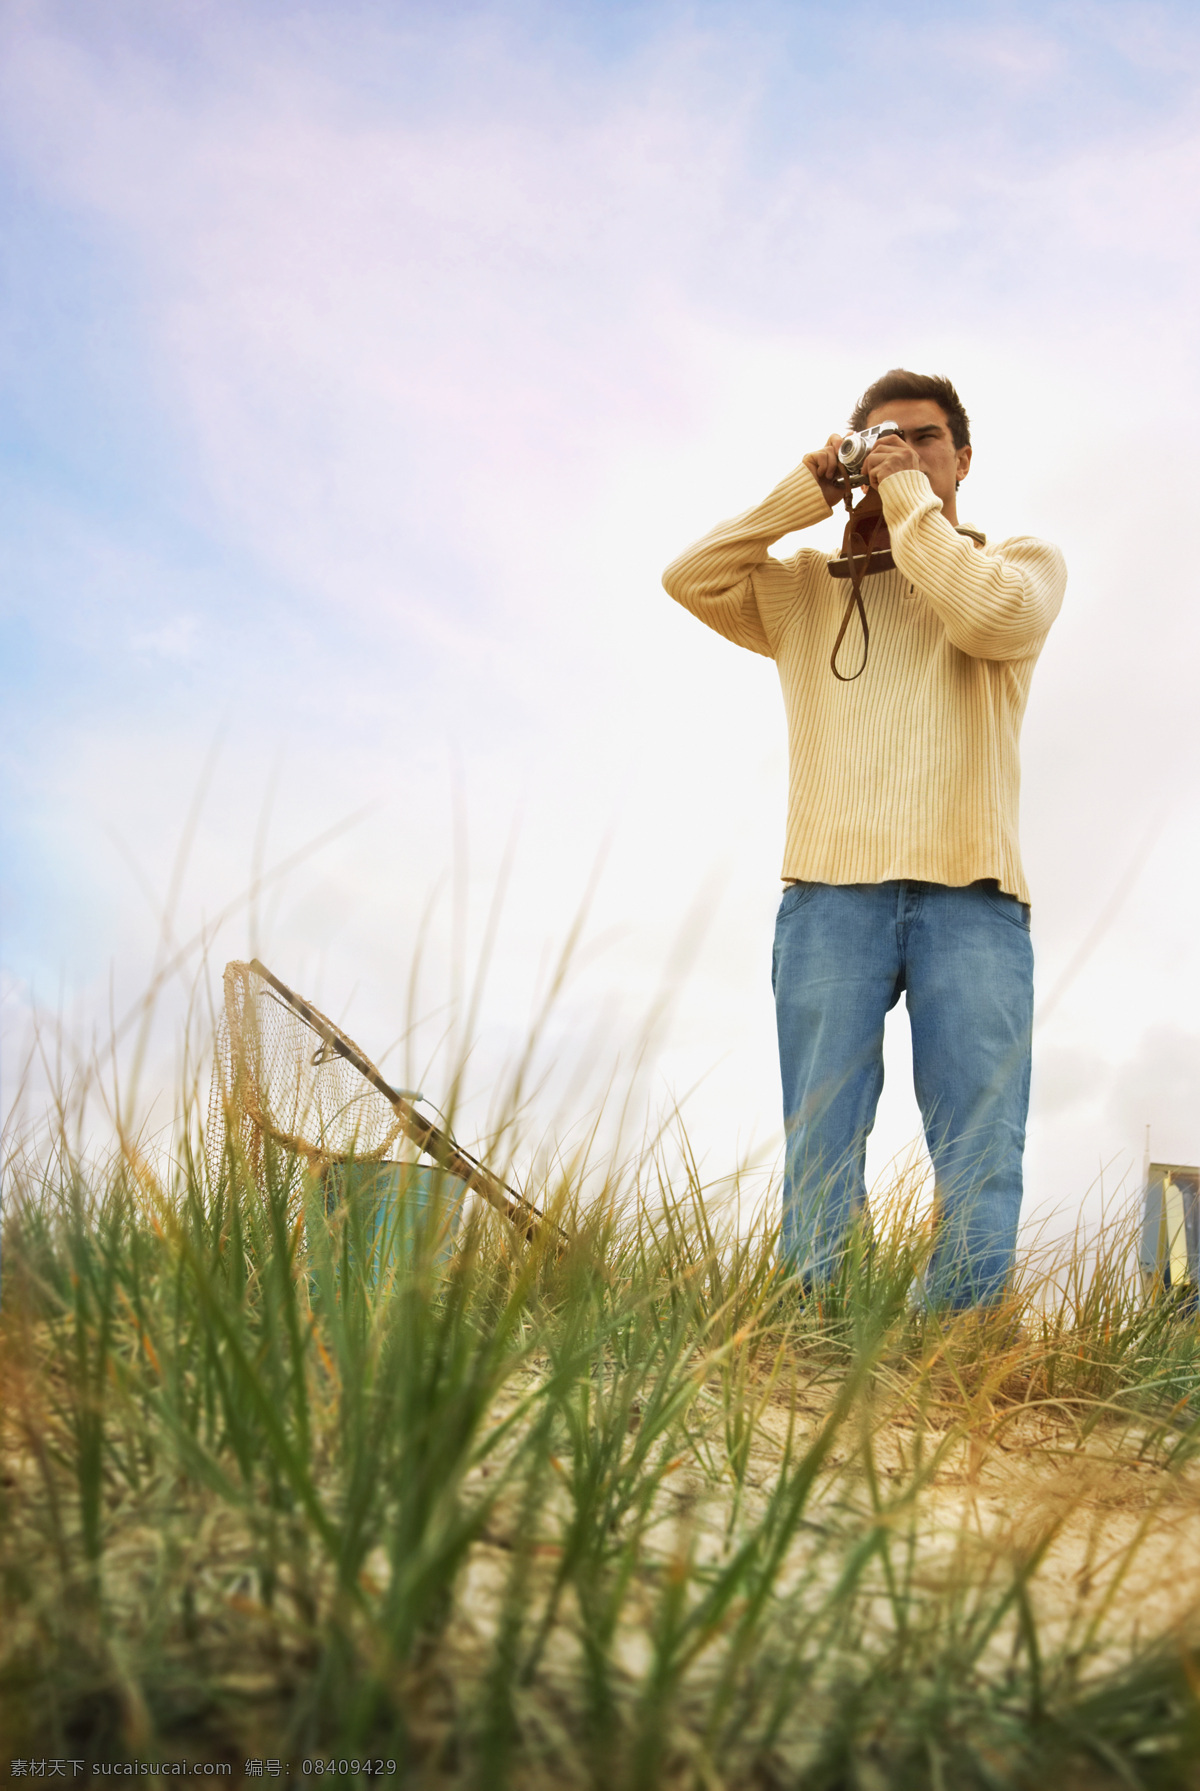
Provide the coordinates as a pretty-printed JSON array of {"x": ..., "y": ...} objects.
[{"x": 863, "y": 531}]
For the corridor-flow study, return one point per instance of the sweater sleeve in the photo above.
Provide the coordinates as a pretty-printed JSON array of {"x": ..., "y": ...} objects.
[
  {"x": 994, "y": 604},
  {"x": 720, "y": 579}
]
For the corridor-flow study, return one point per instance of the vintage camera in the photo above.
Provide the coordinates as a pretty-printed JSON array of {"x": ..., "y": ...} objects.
[{"x": 858, "y": 444}]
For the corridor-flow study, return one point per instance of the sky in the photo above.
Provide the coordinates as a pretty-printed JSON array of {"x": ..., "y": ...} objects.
[{"x": 363, "y": 365}]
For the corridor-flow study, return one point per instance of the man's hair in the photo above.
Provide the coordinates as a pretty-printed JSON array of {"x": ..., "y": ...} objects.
[{"x": 900, "y": 383}]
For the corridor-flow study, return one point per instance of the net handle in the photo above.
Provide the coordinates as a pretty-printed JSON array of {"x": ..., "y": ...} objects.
[{"x": 422, "y": 1132}]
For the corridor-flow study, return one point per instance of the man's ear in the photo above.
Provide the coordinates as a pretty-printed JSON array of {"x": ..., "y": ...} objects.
[{"x": 962, "y": 464}]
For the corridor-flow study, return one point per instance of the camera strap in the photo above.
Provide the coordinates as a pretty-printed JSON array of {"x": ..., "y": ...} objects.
[{"x": 865, "y": 548}]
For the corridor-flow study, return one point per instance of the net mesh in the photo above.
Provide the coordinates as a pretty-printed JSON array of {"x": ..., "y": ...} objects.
[{"x": 277, "y": 1077}]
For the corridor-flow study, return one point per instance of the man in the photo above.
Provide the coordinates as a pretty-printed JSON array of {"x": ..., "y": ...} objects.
[{"x": 901, "y": 862}]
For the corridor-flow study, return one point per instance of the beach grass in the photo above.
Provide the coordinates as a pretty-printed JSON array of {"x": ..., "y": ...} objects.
[{"x": 622, "y": 1512}]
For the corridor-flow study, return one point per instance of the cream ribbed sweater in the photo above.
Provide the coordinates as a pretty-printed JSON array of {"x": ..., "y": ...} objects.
[{"x": 912, "y": 769}]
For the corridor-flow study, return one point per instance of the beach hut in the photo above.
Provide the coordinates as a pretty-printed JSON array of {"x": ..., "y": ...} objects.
[{"x": 1169, "y": 1250}]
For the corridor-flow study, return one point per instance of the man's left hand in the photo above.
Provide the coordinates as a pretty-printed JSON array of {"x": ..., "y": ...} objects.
[{"x": 890, "y": 455}]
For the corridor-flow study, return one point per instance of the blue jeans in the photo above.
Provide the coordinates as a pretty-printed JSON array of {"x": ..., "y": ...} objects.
[{"x": 963, "y": 958}]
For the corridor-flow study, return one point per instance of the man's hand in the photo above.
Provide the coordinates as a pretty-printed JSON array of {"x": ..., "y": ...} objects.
[
  {"x": 890, "y": 455},
  {"x": 823, "y": 465}
]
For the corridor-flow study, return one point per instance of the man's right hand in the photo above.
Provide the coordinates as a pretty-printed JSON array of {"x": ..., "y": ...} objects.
[{"x": 823, "y": 465}]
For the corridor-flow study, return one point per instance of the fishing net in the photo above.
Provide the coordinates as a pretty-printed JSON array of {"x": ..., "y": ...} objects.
[
  {"x": 277, "y": 1075},
  {"x": 285, "y": 1076}
]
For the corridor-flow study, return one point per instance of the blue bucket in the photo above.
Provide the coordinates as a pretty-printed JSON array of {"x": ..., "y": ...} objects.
[{"x": 392, "y": 1209}]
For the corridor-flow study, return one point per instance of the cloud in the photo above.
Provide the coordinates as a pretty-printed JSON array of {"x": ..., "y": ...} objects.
[
  {"x": 1067, "y": 1078},
  {"x": 440, "y": 333},
  {"x": 1157, "y": 1086}
]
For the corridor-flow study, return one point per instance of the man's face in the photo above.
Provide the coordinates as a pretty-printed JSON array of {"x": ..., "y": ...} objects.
[{"x": 928, "y": 434}]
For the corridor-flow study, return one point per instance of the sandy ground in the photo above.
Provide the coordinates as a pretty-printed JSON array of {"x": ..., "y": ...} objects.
[{"x": 1103, "y": 1530}]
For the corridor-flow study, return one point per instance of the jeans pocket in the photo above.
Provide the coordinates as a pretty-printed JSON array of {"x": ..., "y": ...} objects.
[
  {"x": 1010, "y": 906},
  {"x": 795, "y": 896}
]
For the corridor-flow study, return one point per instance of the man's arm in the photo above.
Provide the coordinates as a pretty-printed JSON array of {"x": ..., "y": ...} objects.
[
  {"x": 716, "y": 579},
  {"x": 992, "y": 608}
]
